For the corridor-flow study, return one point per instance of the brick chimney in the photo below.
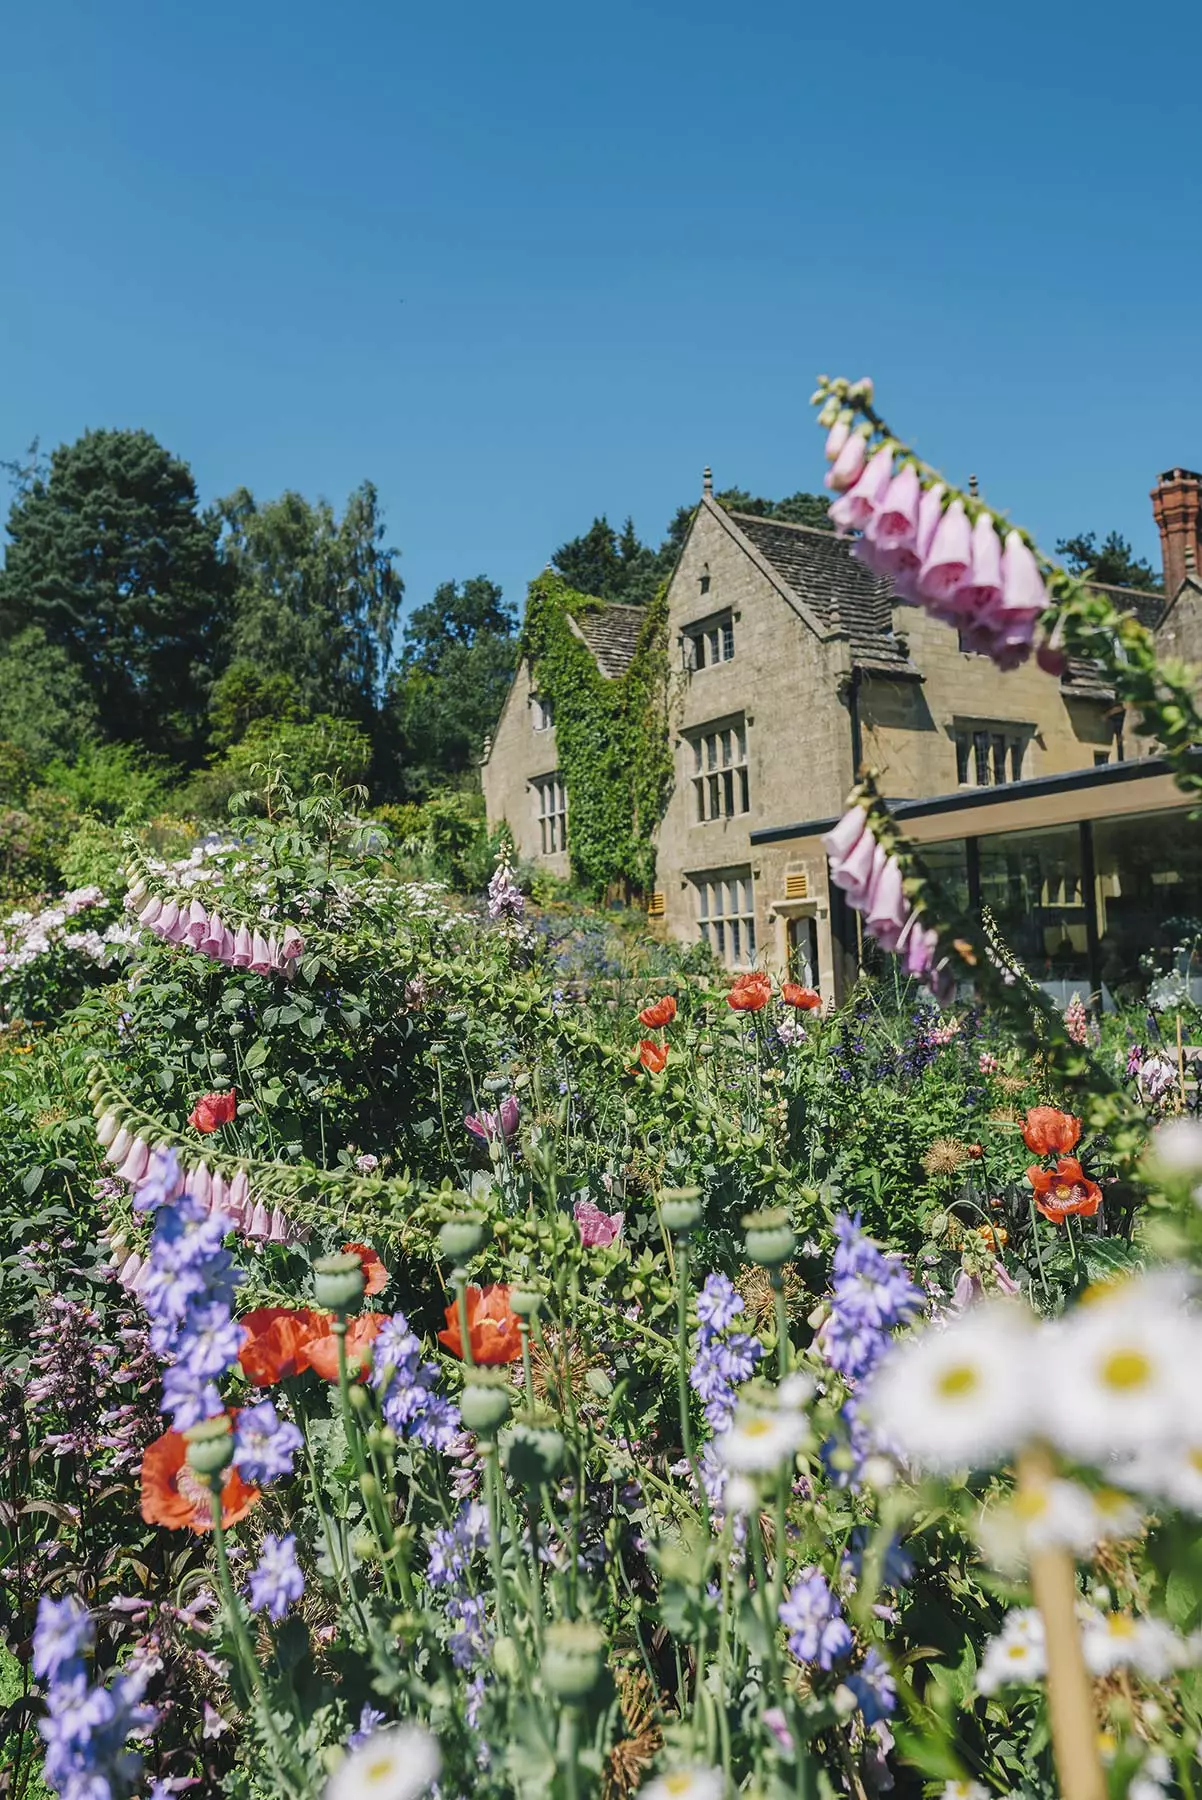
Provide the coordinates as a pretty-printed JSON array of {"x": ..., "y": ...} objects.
[{"x": 1177, "y": 509}]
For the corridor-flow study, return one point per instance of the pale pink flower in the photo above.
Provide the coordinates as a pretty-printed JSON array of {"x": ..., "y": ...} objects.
[
  {"x": 949, "y": 559},
  {"x": 597, "y": 1229},
  {"x": 848, "y": 465},
  {"x": 853, "y": 510}
]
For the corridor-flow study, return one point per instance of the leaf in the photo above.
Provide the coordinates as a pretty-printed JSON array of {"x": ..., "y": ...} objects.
[
  {"x": 32, "y": 1180},
  {"x": 256, "y": 1056}
]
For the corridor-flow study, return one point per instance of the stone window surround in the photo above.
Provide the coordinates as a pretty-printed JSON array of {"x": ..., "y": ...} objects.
[
  {"x": 709, "y": 641},
  {"x": 724, "y": 912},
  {"x": 551, "y": 811},
  {"x": 992, "y": 750},
  {"x": 719, "y": 774}
]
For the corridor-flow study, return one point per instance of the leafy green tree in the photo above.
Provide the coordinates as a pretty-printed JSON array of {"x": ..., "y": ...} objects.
[
  {"x": 46, "y": 706},
  {"x": 244, "y": 693},
  {"x": 297, "y": 751},
  {"x": 1113, "y": 563},
  {"x": 316, "y": 597},
  {"x": 457, "y": 660},
  {"x": 795, "y": 509},
  {"x": 111, "y": 561},
  {"x": 114, "y": 781}
]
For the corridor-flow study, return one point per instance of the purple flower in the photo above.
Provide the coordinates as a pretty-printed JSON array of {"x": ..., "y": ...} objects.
[
  {"x": 369, "y": 1718},
  {"x": 406, "y": 1385},
  {"x": 453, "y": 1546},
  {"x": 265, "y": 1444},
  {"x": 277, "y": 1581},
  {"x": 161, "y": 1184},
  {"x": 874, "y": 1688},
  {"x": 439, "y": 1425},
  {"x": 818, "y": 1632},
  {"x": 489, "y": 1126},
  {"x": 504, "y": 896},
  {"x": 718, "y": 1368},
  {"x": 871, "y": 1294},
  {"x": 718, "y": 1304},
  {"x": 62, "y": 1633}
]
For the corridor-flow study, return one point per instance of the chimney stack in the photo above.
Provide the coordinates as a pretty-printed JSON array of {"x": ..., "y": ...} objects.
[{"x": 1177, "y": 509}]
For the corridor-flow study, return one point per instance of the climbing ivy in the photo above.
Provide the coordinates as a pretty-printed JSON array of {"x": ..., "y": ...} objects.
[{"x": 612, "y": 735}]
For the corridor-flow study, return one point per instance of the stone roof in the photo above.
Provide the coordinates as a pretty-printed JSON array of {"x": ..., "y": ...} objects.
[
  {"x": 611, "y": 631},
  {"x": 819, "y": 569},
  {"x": 1083, "y": 679}
]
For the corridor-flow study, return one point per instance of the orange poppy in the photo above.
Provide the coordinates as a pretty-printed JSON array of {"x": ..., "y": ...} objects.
[
  {"x": 661, "y": 1012},
  {"x": 275, "y": 1342},
  {"x": 993, "y": 1236},
  {"x": 750, "y": 992},
  {"x": 492, "y": 1329},
  {"x": 652, "y": 1056},
  {"x": 321, "y": 1347},
  {"x": 212, "y": 1110},
  {"x": 1064, "y": 1189},
  {"x": 375, "y": 1275},
  {"x": 174, "y": 1496},
  {"x": 1049, "y": 1132},
  {"x": 808, "y": 999}
]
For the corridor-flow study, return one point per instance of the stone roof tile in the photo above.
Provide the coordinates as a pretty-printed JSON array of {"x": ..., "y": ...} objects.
[{"x": 611, "y": 631}]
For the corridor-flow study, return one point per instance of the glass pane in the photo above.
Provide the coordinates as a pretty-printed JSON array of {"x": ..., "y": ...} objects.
[
  {"x": 728, "y": 794},
  {"x": 728, "y": 642},
  {"x": 1149, "y": 873},
  {"x": 720, "y": 938},
  {"x": 748, "y": 901},
  {"x": 962, "y": 758},
  {"x": 750, "y": 929},
  {"x": 711, "y": 751},
  {"x": 697, "y": 754},
  {"x": 947, "y": 865},
  {"x": 713, "y": 796},
  {"x": 732, "y": 897},
  {"x": 700, "y": 790},
  {"x": 735, "y": 939},
  {"x": 742, "y": 743},
  {"x": 1017, "y": 750},
  {"x": 999, "y": 760},
  {"x": 703, "y": 899},
  {"x": 980, "y": 751},
  {"x": 711, "y": 644},
  {"x": 1031, "y": 881},
  {"x": 744, "y": 797}
]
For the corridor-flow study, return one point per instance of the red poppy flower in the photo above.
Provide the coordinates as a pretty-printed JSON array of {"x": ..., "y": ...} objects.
[
  {"x": 808, "y": 999},
  {"x": 1049, "y": 1132},
  {"x": 212, "y": 1110},
  {"x": 172, "y": 1495},
  {"x": 661, "y": 1012},
  {"x": 1064, "y": 1189},
  {"x": 275, "y": 1342},
  {"x": 321, "y": 1347},
  {"x": 375, "y": 1275},
  {"x": 652, "y": 1056},
  {"x": 492, "y": 1329},
  {"x": 750, "y": 992}
]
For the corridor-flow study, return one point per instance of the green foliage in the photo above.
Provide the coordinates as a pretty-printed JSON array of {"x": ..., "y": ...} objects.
[
  {"x": 1113, "y": 562},
  {"x": 93, "y": 855},
  {"x": 316, "y": 599},
  {"x": 46, "y": 707},
  {"x": 457, "y": 661},
  {"x": 244, "y": 694},
  {"x": 795, "y": 509},
  {"x": 116, "y": 781},
  {"x": 300, "y": 753},
  {"x": 612, "y": 736},
  {"x": 109, "y": 558}
]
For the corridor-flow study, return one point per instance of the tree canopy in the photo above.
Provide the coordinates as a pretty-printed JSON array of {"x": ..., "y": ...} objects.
[
  {"x": 315, "y": 598},
  {"x": 1113, "y": 562},
  {"x": 111, "y": 560}
]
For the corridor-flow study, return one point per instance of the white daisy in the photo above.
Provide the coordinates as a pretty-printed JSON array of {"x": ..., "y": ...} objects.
[
  {"x": 1056, "y": 1512},
  {"x": 760, "y": 1442},
  {"x": 686, "y": 1784},
  {"x": 1016, "y": 1654},
  {"x": 961, "y": 1397},
  {"x": 1118, "y": 1640},
  {"x": 1173, "y": 1472},
  {"x": 1176, "y": 1149},
  {"x": 1121, "y": 1371},
  {"x": 965, "y": 1790},
  {"x": 398, "y": 1763}
]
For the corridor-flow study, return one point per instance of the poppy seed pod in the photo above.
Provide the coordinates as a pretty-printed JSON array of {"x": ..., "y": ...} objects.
[
  {"x": 210, "y": 1447},
  {"x": 526, "y": 1302},
  {"x": 460, "y": 1236},
  {"x": 486, "y": 1400},
  {"x": 769, "y": 1238},
  {"x": 680, "y": 1208},
  {"x": 338, "y": 1282},
  {"x": 572, "y": 1659},
  {"x": 535, "y": 1449}
]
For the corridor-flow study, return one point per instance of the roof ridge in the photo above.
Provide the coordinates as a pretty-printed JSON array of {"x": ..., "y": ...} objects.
[{"x": 785, "y": 524}]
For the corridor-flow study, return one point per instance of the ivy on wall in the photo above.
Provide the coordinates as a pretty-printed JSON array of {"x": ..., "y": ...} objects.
[{"x": 612, "y": 736}]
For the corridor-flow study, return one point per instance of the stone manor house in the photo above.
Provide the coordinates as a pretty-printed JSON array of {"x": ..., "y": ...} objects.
[{"x": 798, "y": 666}]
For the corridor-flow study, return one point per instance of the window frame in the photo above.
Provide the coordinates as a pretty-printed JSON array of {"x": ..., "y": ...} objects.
[
  {"x": 990, "y": 753},
  {"x": 730, "y": 933},
  {"x": 542, "y": 713},
  {"x": 720, "y": 774},
  {"x": 709, "y": 642},
  {"x": 551, "y": 812}
]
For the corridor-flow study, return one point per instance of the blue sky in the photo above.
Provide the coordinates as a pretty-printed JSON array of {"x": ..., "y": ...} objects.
[{"x": 520, "y": 264}]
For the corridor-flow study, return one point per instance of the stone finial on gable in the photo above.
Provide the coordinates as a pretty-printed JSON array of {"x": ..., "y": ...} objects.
[{"x": 707, "y": 483}]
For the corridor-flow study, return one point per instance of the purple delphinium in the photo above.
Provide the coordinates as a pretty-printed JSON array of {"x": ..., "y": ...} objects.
[
  {"x": 874, "y": 1688},
  {"x": 369, "y": 1718},
  {"x": 86, "y": 1729},
  {"x": 818, "y": 1632},
  {"x": 448, "y": 1567},
  {"x": 721, "y": 1363},
  {"x": 871, "y": 1294},
  {"x": 188, "y": 1292},
  {"x": 406, "y": 1387},
  {"x": 265, "y": 1444},
  {"x": 276, "y": 1582}
]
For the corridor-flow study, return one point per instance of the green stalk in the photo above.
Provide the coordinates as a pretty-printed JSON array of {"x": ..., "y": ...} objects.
[{"x": 682, "y": 1371}]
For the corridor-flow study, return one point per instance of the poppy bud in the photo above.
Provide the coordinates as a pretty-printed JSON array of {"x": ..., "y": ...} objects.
[
  {"x": 486, "y": 1400},
  {"x": 338, "y": 1282},
  {"x": 460, "y": 1236},
  {"x": 535, "y": 1451},
  {"x": 571, "y": 1663},
  {"x": 210, "y": 1446},
  {"x": 769, "y": 1238}
]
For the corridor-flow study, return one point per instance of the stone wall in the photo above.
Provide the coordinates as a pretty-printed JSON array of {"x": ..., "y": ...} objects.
[{"x": 519, "y": 755}]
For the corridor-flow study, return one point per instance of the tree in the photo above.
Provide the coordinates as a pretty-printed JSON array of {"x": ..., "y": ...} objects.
[
  {"x": 316, "y": 598},
  {"x": 457, "y": 661},
  {"x": 795, "y": 509},
  {"x": 243, "y": 694},
  {"x": 46, "y": 706},
  {"x": 1112, "y": 563},
  {"x": 110, "y": 559}
]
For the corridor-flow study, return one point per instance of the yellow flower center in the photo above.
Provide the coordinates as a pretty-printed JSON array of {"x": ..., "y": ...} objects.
[
  {"x": 1120, "y": 1625},
  {"x": 1032, "y": 1503},
  {"x": 756, "y": 1428},
  {"x": 1126, "y": 1370},
  {"x": 380, "y": 1769},
  {"x": 1194, "y": 1457},
  {"x": 958, "y": 1381},
  {"x": 680, "y": 1783},
  {"x": 1016, "y": 1652}
]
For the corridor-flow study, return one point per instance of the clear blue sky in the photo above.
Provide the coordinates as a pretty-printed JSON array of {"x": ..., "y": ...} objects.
[{"x": 519, "y": 264}]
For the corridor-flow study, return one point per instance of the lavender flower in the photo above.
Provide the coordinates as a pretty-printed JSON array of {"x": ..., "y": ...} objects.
[
  {"x": 818, "y": 1632},
  {"x": 871, "y": 1294},
  {"x": 277, "y": 1581},
  {"x": 721, "y": 1363},
  {"x": 449, "y": 1564},
  {"x": 86, "y": 1729},
  {"x": 874, "y": 1688},
  {"x": 265, "y": 1444},
  {"x": 718, "y": 1303},
  {"x": 63, "y": 1631},
  {"x": 369, "y": 1718},
  {"x": 406, "y": 1384}
]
